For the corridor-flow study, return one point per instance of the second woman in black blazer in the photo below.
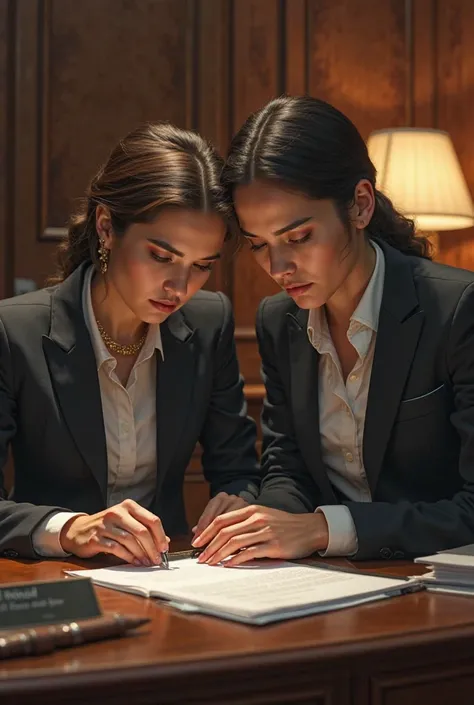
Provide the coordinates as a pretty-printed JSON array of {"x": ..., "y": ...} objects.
[
  {"x": 368, "y": 355},
  {"x": 109, "y": 378}
]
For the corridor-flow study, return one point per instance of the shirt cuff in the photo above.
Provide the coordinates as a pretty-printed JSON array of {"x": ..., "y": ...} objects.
[
  {"x": 342, "y": 532},
  {"x": 46, "y": 535}
]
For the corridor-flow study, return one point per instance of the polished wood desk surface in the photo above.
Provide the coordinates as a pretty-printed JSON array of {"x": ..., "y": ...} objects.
[{"x": 202, "y": 659}]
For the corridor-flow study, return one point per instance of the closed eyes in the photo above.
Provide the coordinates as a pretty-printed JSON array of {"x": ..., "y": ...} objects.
[
  {"x": 257, "y": 246},
  {"x": 201, "y": 267}
]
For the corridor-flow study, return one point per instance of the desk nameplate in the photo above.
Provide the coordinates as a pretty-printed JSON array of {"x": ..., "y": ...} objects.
[{"x": 47, "y": 602}]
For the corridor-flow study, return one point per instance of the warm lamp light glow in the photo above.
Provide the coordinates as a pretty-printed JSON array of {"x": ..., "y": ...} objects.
[{"x": 419, "y": 171}]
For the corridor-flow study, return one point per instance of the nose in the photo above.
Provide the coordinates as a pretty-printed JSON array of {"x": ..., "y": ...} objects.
[
  {"x": 177, "y": 285},
  {"x": 281, "y": 264}
]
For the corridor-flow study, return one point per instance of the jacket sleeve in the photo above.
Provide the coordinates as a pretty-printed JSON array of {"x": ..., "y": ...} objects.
[
  {"x": 228, "y": 438},
  {"x": 422, "y": 528},
  {"x": 287, "y": 483},
  {"x": 17, "y": 520}
]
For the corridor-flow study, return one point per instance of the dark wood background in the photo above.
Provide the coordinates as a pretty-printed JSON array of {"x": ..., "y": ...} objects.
[{"x": 75, "y": 76}]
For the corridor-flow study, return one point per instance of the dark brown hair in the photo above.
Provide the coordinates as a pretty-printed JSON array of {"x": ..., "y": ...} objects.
[
  {"x": 311, "y": 147},
  {"x": 155, "y": 165}
]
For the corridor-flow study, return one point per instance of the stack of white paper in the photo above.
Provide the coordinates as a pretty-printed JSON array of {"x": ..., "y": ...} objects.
[{"x": 452, "y": 570}]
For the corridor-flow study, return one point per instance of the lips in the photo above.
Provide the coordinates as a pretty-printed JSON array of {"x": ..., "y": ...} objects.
[
  {"x": 296, "y": 290},
  {"x": 164, "y": 305}
]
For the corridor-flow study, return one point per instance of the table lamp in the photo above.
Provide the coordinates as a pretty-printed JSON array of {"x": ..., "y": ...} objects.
[{"x": 419, "y": 171}]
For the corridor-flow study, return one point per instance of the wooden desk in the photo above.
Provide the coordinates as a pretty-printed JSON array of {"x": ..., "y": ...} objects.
[{"x": 413, "y": 650}]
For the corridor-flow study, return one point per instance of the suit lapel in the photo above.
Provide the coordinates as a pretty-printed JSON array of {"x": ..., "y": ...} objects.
[
  {"x": 400, "y": 325},
  {"x": 175, "y": 382},
  {"x": 304, "y": 361},
  {"x": 72, "y": 365}
]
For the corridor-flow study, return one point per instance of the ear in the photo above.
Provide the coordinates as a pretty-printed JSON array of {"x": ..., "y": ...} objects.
[
  {"x": 103, "y": 224},
  {"x": 364, "y": 203}
]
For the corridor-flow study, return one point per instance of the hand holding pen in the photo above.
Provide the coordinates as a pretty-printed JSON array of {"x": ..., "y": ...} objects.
[{"x": 126, "y": 530}]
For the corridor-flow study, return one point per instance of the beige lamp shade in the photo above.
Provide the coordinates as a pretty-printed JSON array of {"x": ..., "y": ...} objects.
[{"x": 419, "y": 171}]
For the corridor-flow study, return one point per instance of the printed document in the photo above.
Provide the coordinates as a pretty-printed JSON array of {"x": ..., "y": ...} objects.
[{"x": 259, "y": 592}]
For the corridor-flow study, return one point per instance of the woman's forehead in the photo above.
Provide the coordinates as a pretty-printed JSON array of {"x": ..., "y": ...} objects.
[
  {"x": 264, "y": 208},
  {"x": 189, "y": 232}
]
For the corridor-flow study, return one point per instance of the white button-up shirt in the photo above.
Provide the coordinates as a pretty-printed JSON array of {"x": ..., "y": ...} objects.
[{"x": 342, "y": 407}]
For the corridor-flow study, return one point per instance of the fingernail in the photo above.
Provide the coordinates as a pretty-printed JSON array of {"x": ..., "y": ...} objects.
[
  {"x": 157, "y": 559},
  {"x": 137, "y": 562},
  {"x": 146, "y": 562},
  {"x": 194, "y": 529},
  {"x": 196, "y": 541}
]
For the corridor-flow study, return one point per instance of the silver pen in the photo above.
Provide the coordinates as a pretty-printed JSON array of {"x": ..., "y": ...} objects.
[{"x": 164, "y": 560}]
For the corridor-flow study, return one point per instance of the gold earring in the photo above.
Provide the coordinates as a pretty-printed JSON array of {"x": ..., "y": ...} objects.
[{"x": 103, "y": 257}]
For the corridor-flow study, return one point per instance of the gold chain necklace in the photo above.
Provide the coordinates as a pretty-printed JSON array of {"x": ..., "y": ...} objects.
[{"x": 131, "y": 349}]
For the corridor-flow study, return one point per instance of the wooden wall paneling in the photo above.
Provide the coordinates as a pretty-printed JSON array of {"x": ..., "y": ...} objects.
[
  {"x": 213, "y": 50},
  {"x": 357, "y": 60},
  {"x": 455, "y": 107},
  {"x": 296, "y": 46},
  {"x": 6, "y": 96},
  {"x": 257, "y": 76},
  {"x": 257, "y": 49},
  {"x": 33, "y": 260},
  {"x": 87, "y": 73},
  {"x": 425, "y": 59},
  {"x": 213, "y": 60}
]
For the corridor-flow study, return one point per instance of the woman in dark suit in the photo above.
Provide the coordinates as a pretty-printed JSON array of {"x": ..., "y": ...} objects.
[
  {"x": 368, "y": 355},
  {"x": 110, "y": 378}
]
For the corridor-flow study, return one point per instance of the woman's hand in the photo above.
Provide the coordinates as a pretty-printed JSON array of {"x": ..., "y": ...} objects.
[
  {"x": 125, "y": 530},
  {"x": 220, "y": 504},
  {"x": 258, "y": 532}
]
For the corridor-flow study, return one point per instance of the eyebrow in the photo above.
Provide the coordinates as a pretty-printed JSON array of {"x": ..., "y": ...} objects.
[
  {"x": 169, "y": 248},
  {"x": 281, "y": 231}
]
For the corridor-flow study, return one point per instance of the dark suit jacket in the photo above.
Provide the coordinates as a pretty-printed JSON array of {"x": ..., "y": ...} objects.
[
  {"x": 50, "y": 410},
  {"x": 418, "y": 445}
]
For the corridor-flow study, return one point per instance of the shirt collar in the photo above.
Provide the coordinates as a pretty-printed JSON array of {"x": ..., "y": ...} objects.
[
  {"x": 102, "y": 354},
  {"x": 367, "y": 312},
  {"x": 318, "y": 331}
]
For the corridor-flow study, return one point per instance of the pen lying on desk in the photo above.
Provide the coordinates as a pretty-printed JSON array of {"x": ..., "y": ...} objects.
[{"x": 32, "y": 642}]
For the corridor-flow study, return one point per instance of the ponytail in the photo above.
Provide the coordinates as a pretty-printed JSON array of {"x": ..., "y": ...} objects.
[
  {"x": 81, "y": 243},
  {"x": 396, "y": 230}
]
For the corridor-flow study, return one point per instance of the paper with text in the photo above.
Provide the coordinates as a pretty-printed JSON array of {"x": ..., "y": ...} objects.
[{"x": 253, "y": 590}]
